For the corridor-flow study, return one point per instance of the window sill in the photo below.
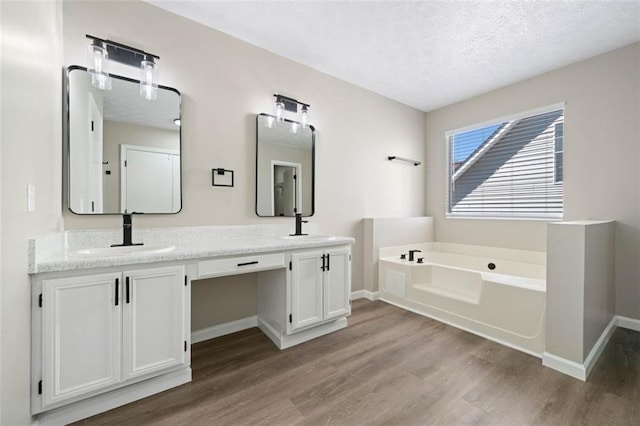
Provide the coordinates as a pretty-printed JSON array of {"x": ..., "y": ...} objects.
[{"x": 509, "y": 218}]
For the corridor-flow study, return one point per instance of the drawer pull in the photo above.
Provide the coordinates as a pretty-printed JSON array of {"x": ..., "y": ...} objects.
[{"x": 255, "y": 262}]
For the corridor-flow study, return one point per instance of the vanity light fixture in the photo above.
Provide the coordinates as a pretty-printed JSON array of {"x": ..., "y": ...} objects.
[
  {"x": 149, "y": 78},
  {"x": 269, "y": 121},
  {"x": 98, "y": 65},
  {"x": 279, "y": 110},
  {"x": 304, "y": 116},
  {"x": 285, "y": 103},
  {"x": 102, "y": 51}
]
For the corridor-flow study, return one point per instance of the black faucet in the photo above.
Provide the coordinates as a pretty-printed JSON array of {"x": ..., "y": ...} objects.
[
  {"x": 411, "y": 253},
  {"x": 299, "y": 223},
  {"x": 127, "y": 227}
]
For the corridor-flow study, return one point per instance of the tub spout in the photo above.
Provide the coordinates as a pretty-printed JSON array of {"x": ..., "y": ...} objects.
[{"x": 411, "y": 254}]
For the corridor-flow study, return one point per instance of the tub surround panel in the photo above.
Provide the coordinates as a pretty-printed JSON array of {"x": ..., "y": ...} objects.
[
  {"x": 456, "y": 285},
  {"x": 580, "y": 292},
  {"x": 189, "y": 242},
  {"x": 386, "y": 232},
  {"x": 531, "y": 257}
]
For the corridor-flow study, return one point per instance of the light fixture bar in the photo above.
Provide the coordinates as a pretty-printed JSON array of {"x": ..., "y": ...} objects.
[
  {"x": 285, "y": 103},
  {"x": 101, "y": 51},
  {"x": 122, "y": 53}
]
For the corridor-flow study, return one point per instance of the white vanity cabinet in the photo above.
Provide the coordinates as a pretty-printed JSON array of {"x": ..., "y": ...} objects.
[
  {"x": 95, "y": 333},
  {"x": 81, "y": 336},
  {"x": 110, "y": 330},
  {"x": 320, "y": 286},
  {"x": 154, "y": 311},
  {"x": 309, "y": 299}
]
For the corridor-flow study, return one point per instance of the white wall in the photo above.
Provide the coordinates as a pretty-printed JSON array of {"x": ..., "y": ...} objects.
[
  {"x": 225, "y": 82},
  {"x": 30, "y": 146},
  {"x": 601, "y": 159}
]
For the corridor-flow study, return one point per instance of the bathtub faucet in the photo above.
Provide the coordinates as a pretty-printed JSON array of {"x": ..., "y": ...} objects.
[{"x": 411, "y": 252}]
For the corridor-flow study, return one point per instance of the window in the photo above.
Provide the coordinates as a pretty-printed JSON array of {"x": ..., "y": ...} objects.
[
  {"x": 508, "y": 168},
  {"x": 558, "y": 166}
]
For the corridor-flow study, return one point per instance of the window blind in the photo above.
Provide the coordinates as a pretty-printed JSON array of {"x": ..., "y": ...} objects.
[{"x": 512, "y": 168}]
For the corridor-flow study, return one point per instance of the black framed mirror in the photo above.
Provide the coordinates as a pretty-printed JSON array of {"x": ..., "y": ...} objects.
[
  {"x": 123, "y": 151},
  {"x": 285, "y": 167}
]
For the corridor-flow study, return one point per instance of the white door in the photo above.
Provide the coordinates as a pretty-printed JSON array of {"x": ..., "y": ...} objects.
[
  {"x": 176, "y": 205},
  {"x": 81, "y": 336},
  {"x": 95, "y": 157},
  {"x": 289, "y": 192},
  {"x": 153, "y": 320},
  {"x": 147, "y": 181},
  {"x": 306, "y": 289},
  {"x": 337, "y": 284}
]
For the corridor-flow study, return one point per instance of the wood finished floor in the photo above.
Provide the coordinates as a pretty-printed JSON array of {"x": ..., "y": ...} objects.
[{"x": 389, "y": 367}]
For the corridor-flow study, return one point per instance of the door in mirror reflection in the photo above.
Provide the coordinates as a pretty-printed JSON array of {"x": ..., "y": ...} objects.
[
  {"x": 284, "y": 168},
  {"x": 123, "y": 150}
]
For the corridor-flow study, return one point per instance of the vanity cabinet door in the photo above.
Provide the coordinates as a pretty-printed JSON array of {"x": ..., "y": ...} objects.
[
  {"x": 306, "y": 289},
  {"x": 81, "y": 331},
  {"x": 337, "y": 284},
  {"x": 154, "y": 308}
]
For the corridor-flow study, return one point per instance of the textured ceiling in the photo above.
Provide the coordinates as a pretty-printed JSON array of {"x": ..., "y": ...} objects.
[
  {"x": 426, "y": 54},
  {"x": 123, "y": 103}
]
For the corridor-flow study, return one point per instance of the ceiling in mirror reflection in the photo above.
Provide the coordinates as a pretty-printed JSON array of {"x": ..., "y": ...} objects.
[
  {"x": 124, "y": 105},
  {"x": 280, "y": 134}
]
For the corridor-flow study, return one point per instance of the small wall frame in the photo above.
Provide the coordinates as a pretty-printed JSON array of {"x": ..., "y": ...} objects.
[{"x": 222, "y": 177}]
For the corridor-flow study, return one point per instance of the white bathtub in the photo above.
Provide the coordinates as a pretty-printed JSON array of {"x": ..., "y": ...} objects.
[{"x": 456, "y": 285}]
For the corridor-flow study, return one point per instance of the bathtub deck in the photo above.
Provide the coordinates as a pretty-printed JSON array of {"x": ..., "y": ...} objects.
[{"x": 389, "y": 367}]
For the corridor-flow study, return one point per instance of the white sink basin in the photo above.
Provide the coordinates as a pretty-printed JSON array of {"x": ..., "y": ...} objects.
[
  {"x": 120, "y": 251},
  {"x": 311, "y": 237}
]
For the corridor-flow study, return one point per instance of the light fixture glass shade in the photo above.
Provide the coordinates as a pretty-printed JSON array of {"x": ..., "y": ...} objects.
[
  {"x": 149, "y": 80},
  {"x": 304, "y": 116},
  {"x": 98, "y": 66},
  {"x": 279, "y": 110},
  {"x": 269, "y": 122},
  {"x": 294, "y": 127}
]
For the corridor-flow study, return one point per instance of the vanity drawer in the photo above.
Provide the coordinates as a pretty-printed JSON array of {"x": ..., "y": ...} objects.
[{"x": 239, "y": 265}]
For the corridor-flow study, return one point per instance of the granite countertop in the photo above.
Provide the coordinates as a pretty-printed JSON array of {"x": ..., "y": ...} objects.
[{"x": 54, "y": 252}]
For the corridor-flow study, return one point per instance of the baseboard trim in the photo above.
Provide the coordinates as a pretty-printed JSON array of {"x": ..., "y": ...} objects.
[
  {"x": 582, "y": 371},
  {"x": 629, "y": 323},
  {"x": 565, "y": 366},
  {"x": 223, "y": 329},
  {"x": 116, "y": 398},
  {"x": 358, "y": 294},
  {"x": 284, "y": 341},
  {"x": 365, "y": 294},
  {"x": 597, "y": 349}
]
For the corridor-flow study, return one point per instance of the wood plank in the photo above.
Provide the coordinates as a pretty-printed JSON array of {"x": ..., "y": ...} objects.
[{"x": 389, "y": 367}]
